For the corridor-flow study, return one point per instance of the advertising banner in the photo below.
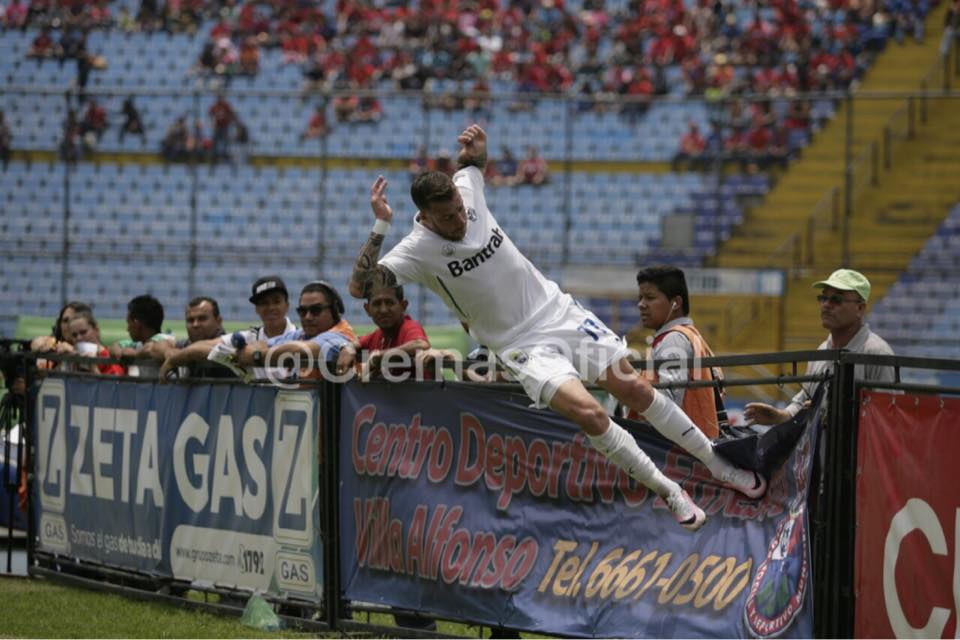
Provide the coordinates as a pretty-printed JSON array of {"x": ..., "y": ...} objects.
[
  {"x": 907, "y": 564},
  {"x": 458, "y": 502},
  {"x": 212, "y": 483}
]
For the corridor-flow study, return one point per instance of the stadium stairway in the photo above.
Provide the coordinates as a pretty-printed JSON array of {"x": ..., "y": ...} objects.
[{"x": 891, "y": 216}]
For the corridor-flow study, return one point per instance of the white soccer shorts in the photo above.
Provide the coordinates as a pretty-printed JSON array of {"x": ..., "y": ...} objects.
[{"x": 572, "y": 343}]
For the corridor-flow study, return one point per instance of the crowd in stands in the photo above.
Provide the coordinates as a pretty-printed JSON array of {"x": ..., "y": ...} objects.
[
  {"x": 750, "y": 136},
  {"x": 611, "y": 59},
  {"x": 541, "y": 46},
  {"x": 82, "y": 133},
  {"x": 502, "y": 171},
  {"x": 229, "y": 139}
]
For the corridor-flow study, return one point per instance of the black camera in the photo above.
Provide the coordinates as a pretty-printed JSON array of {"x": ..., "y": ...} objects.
[{"x": 14, "y": 362}]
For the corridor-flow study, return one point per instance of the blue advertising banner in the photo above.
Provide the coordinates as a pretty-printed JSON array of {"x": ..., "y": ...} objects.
[
  {"x": 213, "y": 483},
  {"x": 458, "y": 502}
]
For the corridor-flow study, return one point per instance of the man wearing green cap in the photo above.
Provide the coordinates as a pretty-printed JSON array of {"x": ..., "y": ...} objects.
[{"x": 843, "y": 305}]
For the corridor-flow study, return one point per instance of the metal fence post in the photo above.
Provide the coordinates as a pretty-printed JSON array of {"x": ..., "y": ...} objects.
[
  {"x": 194, "y": 189},
  {"x": 329, "y": 486},
  {"x": 845, "y": 491},
  {"x": 834, "y": 511},
  {"x": 27, "y": 435},
  {"x": 570, "y": 115},
  {"x": 911, "y": 117},
  {"x": 886, "y": 148},
  {"x": 923, "y": 102},
  {"x": 65, "y": 248},
  {"x": 848, "y": 181}
]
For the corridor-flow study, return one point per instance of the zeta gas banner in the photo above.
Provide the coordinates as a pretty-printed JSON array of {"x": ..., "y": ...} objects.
[
  {"x": 907, "y": 571},
  {"x": 215, "y": 483},
  {"x": 458, "y": 502}
]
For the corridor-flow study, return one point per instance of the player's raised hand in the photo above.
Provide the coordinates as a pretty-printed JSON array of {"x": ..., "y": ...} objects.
[
  {"x": 474, "y": 150},
  {"x": 378, "y": 200}
]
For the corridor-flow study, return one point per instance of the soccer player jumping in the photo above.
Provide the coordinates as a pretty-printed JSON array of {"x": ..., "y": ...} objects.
[{"x": 542, "y": 335}]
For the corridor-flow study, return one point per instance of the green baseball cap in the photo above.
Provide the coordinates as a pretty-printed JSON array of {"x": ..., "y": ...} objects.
[{"x": 847, "y": 280}]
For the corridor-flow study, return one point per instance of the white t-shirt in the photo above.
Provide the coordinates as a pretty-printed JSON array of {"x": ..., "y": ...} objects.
[
  {"x": 259, "y": 334},
  {"x": 483, "y": 279}
]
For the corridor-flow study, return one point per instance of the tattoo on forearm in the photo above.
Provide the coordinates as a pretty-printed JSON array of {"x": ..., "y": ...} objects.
[
  {"x": 367, "y": 274},
  {"x": 478, "y": 160}
]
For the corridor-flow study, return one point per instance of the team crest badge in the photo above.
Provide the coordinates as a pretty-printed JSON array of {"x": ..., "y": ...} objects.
[
  {"x": 779, "y": 588},
  {"x": 447, "y": 250},
  {"x": 780, "y": 585},
  {"x": 471, "y": 214},
  {"x": 518, "y": 357}
]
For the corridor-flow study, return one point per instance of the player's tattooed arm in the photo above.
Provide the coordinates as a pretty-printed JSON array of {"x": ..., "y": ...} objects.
[
  {"x": 474, "y": 150},
  {"x": 367, "y": 274}
]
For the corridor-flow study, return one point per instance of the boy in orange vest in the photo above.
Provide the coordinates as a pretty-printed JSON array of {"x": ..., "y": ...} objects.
[{"x": 665, "y": 307}]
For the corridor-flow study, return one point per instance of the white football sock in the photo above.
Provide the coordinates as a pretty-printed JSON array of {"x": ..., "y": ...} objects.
[
  {"x": 618, "y": 446},
  {"x": 673, "y": 424}
]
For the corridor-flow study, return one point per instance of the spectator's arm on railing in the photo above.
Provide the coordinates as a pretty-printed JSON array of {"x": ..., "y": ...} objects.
[
  {"x": 764, "y": 414},
  {"x": 397, "y": 355},
  {"x": 159, "y": 350},
  {"x": 194, "y": 352}
]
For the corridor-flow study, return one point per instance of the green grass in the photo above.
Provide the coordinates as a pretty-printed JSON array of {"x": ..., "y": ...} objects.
[
  {"x": 43, "y": 609},
  {"x": 38, "y": 608}
]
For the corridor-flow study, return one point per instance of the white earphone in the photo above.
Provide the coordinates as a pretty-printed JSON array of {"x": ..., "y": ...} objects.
[{"x": 673, "y": 305}]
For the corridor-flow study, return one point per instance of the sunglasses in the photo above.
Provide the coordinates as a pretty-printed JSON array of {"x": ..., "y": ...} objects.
[
  {"x": 836, "y": 299},
  {"x": 315, "y": 309}
]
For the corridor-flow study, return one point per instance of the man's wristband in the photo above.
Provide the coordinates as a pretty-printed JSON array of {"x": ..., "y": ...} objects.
[{"x": 381, "y": 227}]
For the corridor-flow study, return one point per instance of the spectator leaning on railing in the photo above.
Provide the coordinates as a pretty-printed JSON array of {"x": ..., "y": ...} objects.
[
  {"x": 86, "y": 336},
  {"x": 271, "y": 302},
  {"x": 144, "y": 325},
  {"x": 204, "y": 323},
  {"x": 397, "y": 339},
  {"x": 325, "y": 332},
  {"x": 843, "y": 306},
  {"x": 60, "y": 339}
]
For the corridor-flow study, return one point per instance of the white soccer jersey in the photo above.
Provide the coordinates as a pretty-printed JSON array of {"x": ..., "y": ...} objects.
[{"x": 484, "y": 278}]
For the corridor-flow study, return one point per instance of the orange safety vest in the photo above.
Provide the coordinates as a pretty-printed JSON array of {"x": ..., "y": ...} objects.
[{"x": 699, "y": 403}]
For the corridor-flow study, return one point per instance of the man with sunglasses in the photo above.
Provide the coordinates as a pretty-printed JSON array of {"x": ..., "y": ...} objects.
[
  {"x": 324, "y": 331},
  {"x": 843, "y": 306}
]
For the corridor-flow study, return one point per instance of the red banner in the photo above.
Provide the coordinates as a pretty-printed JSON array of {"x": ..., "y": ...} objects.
[{"x": 908, "y": 516}]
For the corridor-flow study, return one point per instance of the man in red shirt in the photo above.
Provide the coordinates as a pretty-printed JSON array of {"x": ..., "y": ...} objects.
[{"x": 395, "y": 342}]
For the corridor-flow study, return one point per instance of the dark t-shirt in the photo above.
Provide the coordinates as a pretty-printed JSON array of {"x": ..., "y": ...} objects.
[{"x": 205, "y": 368}]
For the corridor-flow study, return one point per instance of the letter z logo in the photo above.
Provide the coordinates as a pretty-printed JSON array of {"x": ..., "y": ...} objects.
[
  {"x": 294, "y": 485},
  {"x": 52, "y": 445}
]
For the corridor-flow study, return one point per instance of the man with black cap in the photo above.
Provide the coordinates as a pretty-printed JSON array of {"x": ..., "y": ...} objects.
[
  {"x": 843, "y": 306},
  {"x": 272, "y": 303},
  {"x": 270, "y": 300}
]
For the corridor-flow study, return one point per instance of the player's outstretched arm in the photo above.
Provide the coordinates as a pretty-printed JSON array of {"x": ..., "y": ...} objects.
[
  {"x": 367, "y": 274},
  {"x": 473, "y": 153}
]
